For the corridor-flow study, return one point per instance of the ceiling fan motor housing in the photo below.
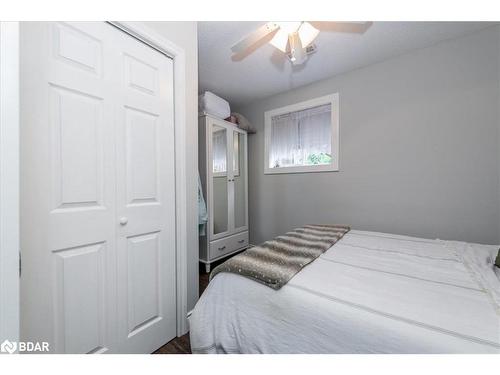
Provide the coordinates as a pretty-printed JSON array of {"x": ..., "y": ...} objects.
[{"x": 309, "y": 50}]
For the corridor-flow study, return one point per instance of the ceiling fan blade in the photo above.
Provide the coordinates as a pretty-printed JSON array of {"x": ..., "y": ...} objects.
[
  {"x": 307, "y": 33},
  {"x": 342, "y": 27},
  {"x": 280, "y": 40},
  {"x": 254, "y": 37}
]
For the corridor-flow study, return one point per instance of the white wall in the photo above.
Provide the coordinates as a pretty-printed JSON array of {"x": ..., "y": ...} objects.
[
  {"x": 419, "y": 149},
  {"x": 9, "y": 181},
  {"x": 184, "y": 34}
]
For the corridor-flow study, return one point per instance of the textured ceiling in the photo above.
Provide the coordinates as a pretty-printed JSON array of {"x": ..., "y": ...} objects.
[{"x": 267, "y": 71}]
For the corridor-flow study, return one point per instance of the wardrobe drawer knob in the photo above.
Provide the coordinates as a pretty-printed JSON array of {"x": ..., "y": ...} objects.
[{"x": 123, "y": 221}]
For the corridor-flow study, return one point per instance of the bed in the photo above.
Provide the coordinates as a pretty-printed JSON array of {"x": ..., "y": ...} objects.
[{"x": 369, "y": 293}]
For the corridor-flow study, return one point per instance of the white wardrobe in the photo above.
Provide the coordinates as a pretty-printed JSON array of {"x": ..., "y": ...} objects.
[{"x": 223, "y": 168}]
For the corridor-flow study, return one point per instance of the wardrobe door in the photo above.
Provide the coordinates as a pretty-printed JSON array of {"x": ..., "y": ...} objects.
[
  {"x": 219, "y": 177},
  {"x": 145, "y": 221},
  {"x": 239, "y": 181}
]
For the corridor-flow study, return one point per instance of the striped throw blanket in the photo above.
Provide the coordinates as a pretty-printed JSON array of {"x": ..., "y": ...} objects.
[{"x": 275, "y": 262}]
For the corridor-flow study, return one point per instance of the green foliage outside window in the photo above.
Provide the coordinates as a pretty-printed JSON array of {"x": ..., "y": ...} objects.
[{"x": 321, "y": 158}]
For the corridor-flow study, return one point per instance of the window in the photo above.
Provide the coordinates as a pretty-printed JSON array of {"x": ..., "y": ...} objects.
[{"x": 303, "y": 137}]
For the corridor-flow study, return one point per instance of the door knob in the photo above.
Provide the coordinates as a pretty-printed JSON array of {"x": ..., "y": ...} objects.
[{"x": 123, "y": 220}]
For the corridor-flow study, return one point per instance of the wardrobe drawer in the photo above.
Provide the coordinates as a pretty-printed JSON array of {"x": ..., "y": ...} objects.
[
  {"x": 239, "y": 240},
  {"x": 227, "y": 245}
]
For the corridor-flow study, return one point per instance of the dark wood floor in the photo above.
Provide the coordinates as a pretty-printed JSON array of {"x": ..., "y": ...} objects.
[{"x": 181, "y": 345}]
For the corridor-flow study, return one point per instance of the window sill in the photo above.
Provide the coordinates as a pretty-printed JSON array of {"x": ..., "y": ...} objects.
[{"x": 302, "y": 169}]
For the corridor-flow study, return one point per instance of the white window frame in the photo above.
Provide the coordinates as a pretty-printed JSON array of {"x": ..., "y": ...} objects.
[{"x": 333, "y": 100}]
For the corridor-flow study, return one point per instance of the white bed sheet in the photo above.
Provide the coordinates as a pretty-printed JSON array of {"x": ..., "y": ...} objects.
[{"x": 369, "y": 293}]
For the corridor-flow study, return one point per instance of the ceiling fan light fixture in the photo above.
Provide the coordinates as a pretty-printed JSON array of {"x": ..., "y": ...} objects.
[
  {"x": 293, "y": 38},
  {"x": 280, "y": 40},
  {"x": 307, "y": 33}
]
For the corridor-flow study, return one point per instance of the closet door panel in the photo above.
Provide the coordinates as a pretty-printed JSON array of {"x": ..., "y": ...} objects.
[
  {"x": 146, "y": 198},
  {"x": 78, "y": 144},
  {"x": 141, "y": 157},
  {"x": 81, "y": 280},
  {"x": 67, "y": 187},
  {"x": 143, "y": 258},
  {"x": 76, "y": 46}
]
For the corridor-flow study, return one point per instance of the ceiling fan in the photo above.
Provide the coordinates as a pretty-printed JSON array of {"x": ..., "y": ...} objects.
[{"x": 294, "y": 38}]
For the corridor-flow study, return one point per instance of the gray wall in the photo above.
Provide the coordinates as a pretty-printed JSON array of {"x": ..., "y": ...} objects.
[
  {"x": 419, "y": 149},
  {"x": 498, "y": 107},
  {"x": 184, "y": 34}
]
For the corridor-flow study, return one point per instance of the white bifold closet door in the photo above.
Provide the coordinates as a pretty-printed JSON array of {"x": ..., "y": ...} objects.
[{"x": 98, "y": 190}]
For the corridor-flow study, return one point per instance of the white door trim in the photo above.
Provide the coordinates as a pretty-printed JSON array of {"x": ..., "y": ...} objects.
[
  {"x": 9, "y": 181},
  {"x": 173, "y": 51}
]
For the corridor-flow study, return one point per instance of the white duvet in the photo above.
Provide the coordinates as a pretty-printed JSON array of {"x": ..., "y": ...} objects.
[{"x": 369, "y": 293}]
